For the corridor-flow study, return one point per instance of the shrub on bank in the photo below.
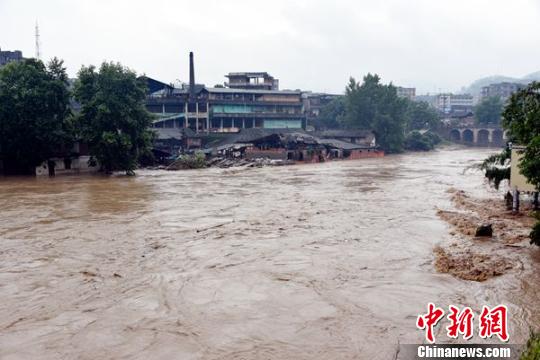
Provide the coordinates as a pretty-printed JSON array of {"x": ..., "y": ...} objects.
[
  {"x": 416, "y": 141},
  {"x": 535, "y": 234},
  {"x": 532, "y": 351}
]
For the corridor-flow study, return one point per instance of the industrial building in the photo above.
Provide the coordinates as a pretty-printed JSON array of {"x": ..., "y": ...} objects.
[
  {"x": 245, "y": 104},
  {"x": 313, "y": 104}
]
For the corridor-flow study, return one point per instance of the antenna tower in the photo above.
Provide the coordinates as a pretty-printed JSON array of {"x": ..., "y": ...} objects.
[{"x": 38, "y": 51}]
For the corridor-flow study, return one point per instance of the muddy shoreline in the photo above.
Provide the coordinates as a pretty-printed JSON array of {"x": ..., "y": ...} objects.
[{"x": 463, "y": 258}]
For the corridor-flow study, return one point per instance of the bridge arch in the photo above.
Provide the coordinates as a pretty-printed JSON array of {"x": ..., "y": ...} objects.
[
  {"x": 468, "y": 136},
  {"x": 455, "y": 135},
  {"x": 497, "y": 137},
  {"x": 482, "y": 137}
]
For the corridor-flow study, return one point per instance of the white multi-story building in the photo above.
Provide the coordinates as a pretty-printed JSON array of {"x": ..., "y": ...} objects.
[{"x": 454, "y": 104}]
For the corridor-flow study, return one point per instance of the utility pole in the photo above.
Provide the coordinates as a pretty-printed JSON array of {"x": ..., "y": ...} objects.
[{"x": 38, "y": 52}]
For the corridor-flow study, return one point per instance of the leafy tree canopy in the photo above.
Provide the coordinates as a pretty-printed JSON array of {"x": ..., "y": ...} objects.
[
  {"x": 35, "y": 121},
  {"x": 375, "y": 106},
  {"x": 332, "y": 115},
  {"x": 420, "y": 115},
  {"x": 113, "y": 118},
  {"x": 522, "y": 119},
  {"x": 489, "y": 110},
  {"x": 416, "y": 141}
]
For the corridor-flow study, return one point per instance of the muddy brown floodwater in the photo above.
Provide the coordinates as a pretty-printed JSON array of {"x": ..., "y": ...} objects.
[{"x": 322, "y": 261}]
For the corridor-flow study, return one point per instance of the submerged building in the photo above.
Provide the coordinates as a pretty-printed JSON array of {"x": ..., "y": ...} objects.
[{"x": 244, "y": 104}]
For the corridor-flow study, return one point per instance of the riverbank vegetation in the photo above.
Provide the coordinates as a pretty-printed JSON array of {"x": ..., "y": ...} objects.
[
  {"x": 521, "y": 118},
  {"x": 532, "y": 349},
  {"x": 35, "y": 117},
  {"x": 113, "y": 119},
  {"x": 418, "y": 141},
  {"x": 377, "y": 107},
  {"x": 497, "y": 167},
  {"x": 37, "y": 121}
]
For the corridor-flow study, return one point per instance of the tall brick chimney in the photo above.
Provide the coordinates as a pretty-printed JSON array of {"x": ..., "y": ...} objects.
[{"x": 191, "y": 77}]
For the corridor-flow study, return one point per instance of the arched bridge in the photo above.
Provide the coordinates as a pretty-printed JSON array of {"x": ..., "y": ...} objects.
[{"x": 478, "y": 136}]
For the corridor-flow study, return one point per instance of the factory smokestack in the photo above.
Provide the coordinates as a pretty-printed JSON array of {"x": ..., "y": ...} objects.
[{"x": 191, "y": 77}]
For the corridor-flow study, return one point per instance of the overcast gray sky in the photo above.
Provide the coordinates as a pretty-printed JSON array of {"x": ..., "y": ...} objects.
[{"x": 309, "y": 44}]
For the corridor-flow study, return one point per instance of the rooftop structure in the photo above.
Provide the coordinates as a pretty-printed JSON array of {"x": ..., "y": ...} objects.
[
  {"x": 8, "y": 56},
  {"x": 252, "y": 81}
]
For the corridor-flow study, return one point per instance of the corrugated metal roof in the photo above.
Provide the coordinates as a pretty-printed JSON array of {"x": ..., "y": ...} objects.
[
  {"x": 244, "y": 91},
  {"x": 336, "y": 133}
]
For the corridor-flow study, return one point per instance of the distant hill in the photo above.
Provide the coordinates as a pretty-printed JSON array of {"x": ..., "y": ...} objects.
[
  {"x": 535, "y": 76},
  {"x": 476, "y": 87}
]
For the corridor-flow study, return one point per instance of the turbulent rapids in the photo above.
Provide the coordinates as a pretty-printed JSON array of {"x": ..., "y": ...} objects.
[{"x": 330, "y": 260}]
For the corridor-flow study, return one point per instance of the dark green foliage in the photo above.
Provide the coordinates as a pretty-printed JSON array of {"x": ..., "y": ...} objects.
[
  {"x": 113, "y": 118},
  {"x": 532, "y": 350},
  {"x": 535, "y": 234},
  {"x": 332, "y": 115},
  {"x": 522, "y": 119},
  {"x": 416, "y": 141},
  {"x": 433, "y": 137},
  {"x": 497, "y": 167},
  {"x": 35, "y": 121},
  {"x": 372, "y": 105},
  {"x": 489, "y": 110},
  {"x": 420, "y": 115}
]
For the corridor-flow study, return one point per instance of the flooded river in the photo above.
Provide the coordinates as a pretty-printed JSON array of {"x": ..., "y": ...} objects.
[{"x": 321, "y": 261}]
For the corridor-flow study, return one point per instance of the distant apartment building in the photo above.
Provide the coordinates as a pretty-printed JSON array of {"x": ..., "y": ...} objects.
[
  {"x": 409, "y": 93},
  {"x": 8, "y": 56},
  {"x": 455, "y": 104},
  {"x": 503, "y": 90},
  {"x": 252, "y": 81}
]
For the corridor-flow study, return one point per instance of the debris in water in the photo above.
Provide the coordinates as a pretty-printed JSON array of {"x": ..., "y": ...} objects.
[
  {"x": 468, "y": 265},
  {"x": 485, "y": 230}
]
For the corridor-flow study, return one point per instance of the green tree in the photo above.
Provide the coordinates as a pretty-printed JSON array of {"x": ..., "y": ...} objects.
[
  {"x": 420, "y": 115},
  {"x": 497, "y": 167},
  {"x": 375, "y": 106},
  {"x": 332, "y": 114},
  {"x": 35, "y": 118},
  {"x": 522, "y": 120},
  {"x": 489, "y": 110},
  {"x": 416, "y": 141},
  {"x": 113, "y": 118}
]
